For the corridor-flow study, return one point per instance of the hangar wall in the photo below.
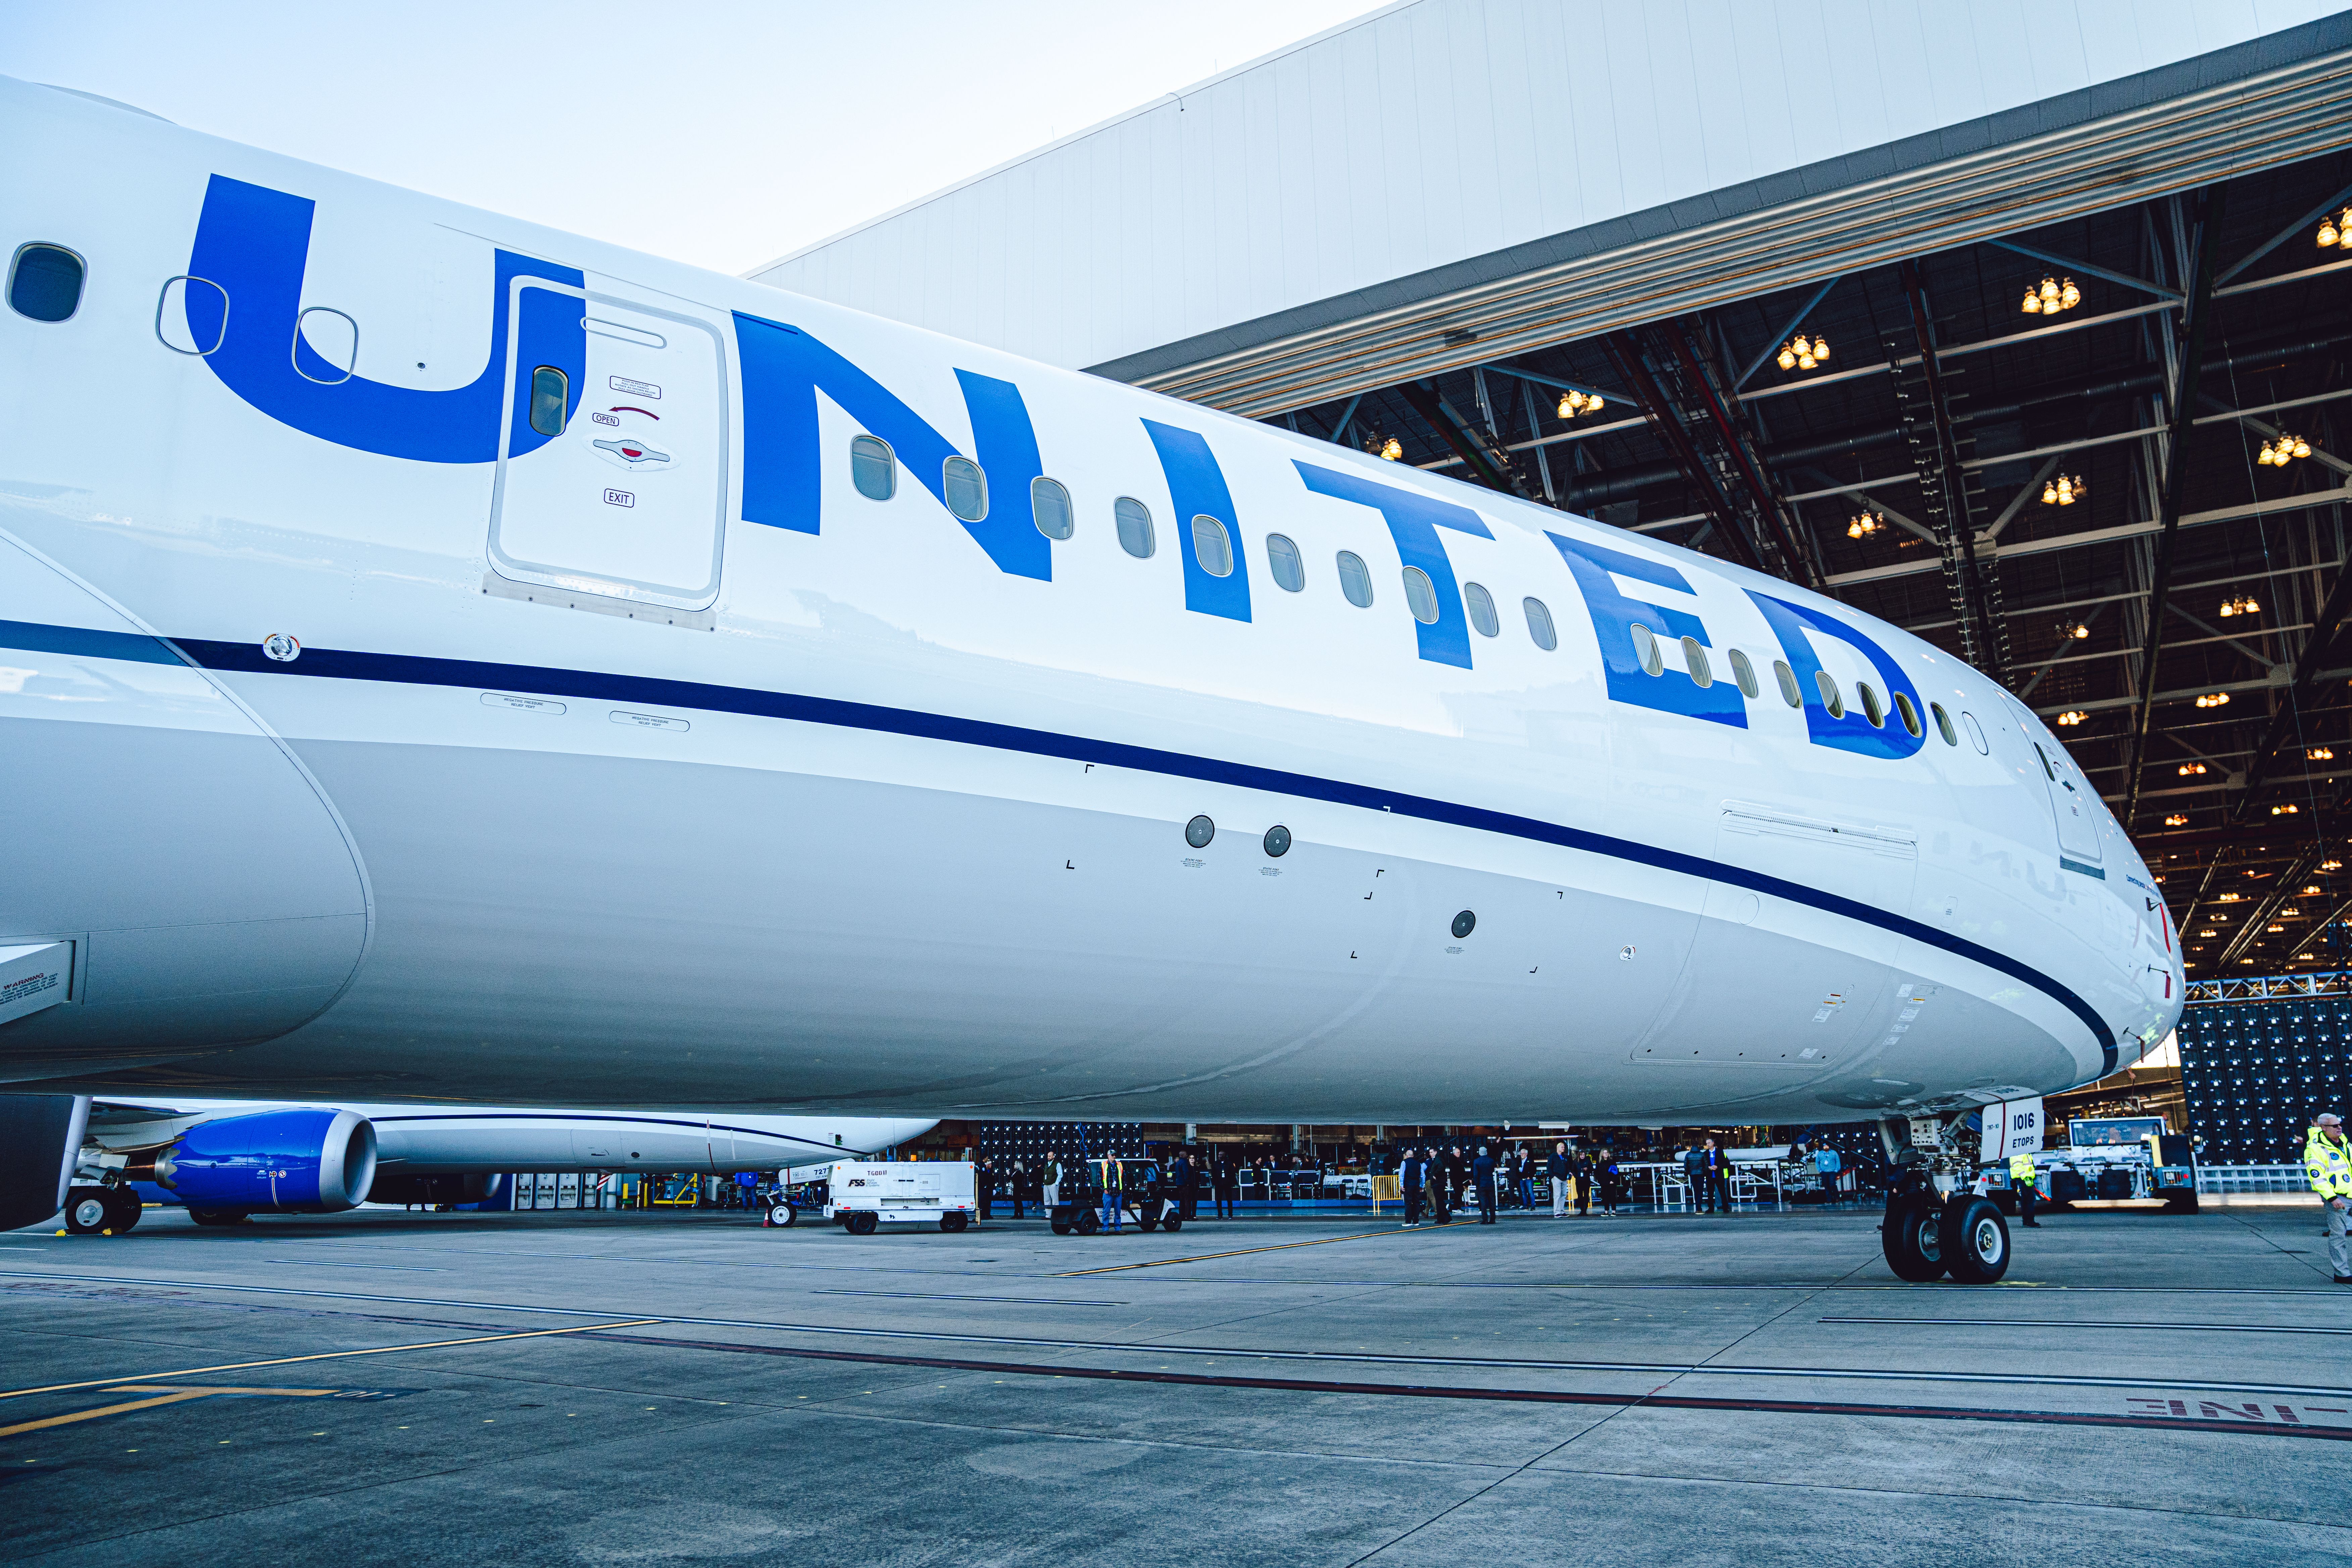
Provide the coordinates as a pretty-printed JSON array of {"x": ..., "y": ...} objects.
[{"x": 1435, "y": 132}]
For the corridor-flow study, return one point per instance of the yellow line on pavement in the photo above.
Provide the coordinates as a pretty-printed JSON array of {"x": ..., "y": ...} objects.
[
  {"x": 185, "y": 1393},
  {"x": 323, "y": 1355},
  {"x": 1237, "y": 1252}
]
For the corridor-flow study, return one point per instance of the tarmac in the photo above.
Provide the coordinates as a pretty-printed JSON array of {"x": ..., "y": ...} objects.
[{"x": 638, "y": 1388}]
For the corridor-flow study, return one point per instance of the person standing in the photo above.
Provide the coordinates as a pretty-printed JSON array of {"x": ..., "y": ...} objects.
[
  {"x": 1050, "y": 1192},
  {"x": 1719, "y": 1177},
  {"x": 2021, "y": 1182},
  {"x": 1695, "y": 1178},
  {"x": 1523, "y": 1166},
  {"x": 1482, "y": 1177},
  {"x": 1612, "y": 1181},
  {"x": 1440, "y": 1177},
  {"x": 2327, "y": 1162},
  {"x": 1561, "y": 1169},
  {"x": 984, "y": 1185},
  {"x": 1226, "y": 1185},
  {"x": 1114, "y": 1197},
  {"x": 1410, "y": 1176},
  {"x": 1580, "y": 1168},
  {"x": 1825, "y": 1164}
]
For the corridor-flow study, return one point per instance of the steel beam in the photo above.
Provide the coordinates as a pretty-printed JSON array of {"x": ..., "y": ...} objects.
[
  {"x": 2176, "y": 467},
  {"x": 1625, "y": 355},
  {"x": 2325, "y": 631}
]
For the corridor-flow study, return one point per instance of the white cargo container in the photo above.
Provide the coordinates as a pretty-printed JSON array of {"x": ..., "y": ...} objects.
[{"x": 863, "y": 1194}]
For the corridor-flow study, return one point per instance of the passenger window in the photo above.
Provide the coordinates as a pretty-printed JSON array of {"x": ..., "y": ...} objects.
[
  {"x": 1355, "y": 581},
  {"x": 873, "y": 467},
  {"x": 45, "y": 282},
  {"x": 1050, "y": 503},
  {"x": 1976, "y": 733},
  {"x": 192, "y": 315},
  {"x": 1420, "y": 596},
  {"x": 1282, "y": 558},
  {"x": 551, "y": 395},
  {"x": 1788, "y": 679},
  {"x": 1134, "y": 527},
  {"x": 1694, "y": 660},
  {"x": 333, "y": 340},
  {"x": 1743, "y": 672},
  {"x": 1870, "y": 706},
  {"x": 1212, "y": 546},
  {"x": 967, "y": 489},
  {"x": 1645, "y": 648},
  {"x": 1910, "y": 714},
  {"x": 1831, "y": 697},
  {"x": 1944, "y": 724},
  {"x": 1482, "y": 609},
  {"x": 1539, "y": 626}
]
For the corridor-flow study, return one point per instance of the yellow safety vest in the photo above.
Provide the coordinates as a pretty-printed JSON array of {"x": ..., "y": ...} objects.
[
  {"x": 2021, "y": 1167},
  {"x": 2325, "y": 1162}
]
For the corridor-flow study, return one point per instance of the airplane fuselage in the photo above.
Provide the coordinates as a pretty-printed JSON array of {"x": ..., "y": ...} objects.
[{"x": 448, "y": 659}]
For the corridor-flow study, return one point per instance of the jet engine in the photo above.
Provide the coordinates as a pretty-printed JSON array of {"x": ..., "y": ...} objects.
[{"x": 273, "y": 1162}]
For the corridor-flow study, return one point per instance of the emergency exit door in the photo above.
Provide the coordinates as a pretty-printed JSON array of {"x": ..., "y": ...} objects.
[{"x": 617, "y": 486}]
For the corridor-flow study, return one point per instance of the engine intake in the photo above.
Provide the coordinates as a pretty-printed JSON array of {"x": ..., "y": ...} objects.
[{"x": 273, "y": 1162}]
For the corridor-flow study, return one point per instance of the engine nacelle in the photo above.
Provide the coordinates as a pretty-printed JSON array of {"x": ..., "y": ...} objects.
[{"x": 272, "y": 1162}]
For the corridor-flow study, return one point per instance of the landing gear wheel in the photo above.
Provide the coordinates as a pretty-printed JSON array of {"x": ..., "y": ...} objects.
[
  {"x": 1912, "y": 1239},
  {"x": 123, "y": 1209},
  {"x": 89, "y": 1210},
  {"x": 952, "y": 1222},
  {"x": 782, "y": 1214},
  {"x": 1975, "y": 1240},
  {"x": 1085, "y": 1224},
  {"x": 217, "y": 1216},
  {"x": 860, "y": 1223}
]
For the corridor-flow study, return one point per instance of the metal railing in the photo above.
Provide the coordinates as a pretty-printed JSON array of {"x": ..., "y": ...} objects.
[
  {"x": 2222, "y": 1180},
  {"x": 2265, "y": 988}
]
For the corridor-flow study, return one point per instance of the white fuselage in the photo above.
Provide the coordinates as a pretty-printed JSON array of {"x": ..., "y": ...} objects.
[{"x": 744, "y": 788}]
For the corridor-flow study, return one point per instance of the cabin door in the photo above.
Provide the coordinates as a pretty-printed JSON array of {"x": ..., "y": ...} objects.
[
  {"x": 2068, "y": 793},
  {"x": 617, "y": 487}
]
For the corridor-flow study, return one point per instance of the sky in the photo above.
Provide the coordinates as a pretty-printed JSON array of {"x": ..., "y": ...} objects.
[{"x": 720, "y": 133}]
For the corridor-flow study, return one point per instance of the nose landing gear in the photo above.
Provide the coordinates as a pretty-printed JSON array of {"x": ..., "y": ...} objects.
[{"x": 1934, "y": 1225}]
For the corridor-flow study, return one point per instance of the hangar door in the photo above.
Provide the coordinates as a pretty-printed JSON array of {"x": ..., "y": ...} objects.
[{"x": 615, "y": 486}]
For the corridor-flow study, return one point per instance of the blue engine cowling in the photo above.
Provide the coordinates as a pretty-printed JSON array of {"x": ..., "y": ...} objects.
[{"x": 272, "y": 1162}]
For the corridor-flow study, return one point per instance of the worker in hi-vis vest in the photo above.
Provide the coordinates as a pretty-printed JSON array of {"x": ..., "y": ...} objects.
[
  {"x": 2021, "y": 1182},
  {"x": 2328, "y": 1164}
]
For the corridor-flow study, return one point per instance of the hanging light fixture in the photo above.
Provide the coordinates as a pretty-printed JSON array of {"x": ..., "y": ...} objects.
[
  {"x": 2331, "y": 865},
  {"x": 1574, "y": 402},
  {"x": 2310, "y": 891},
  {"x": 2213, "y": 699},
  {"x": 2073, "y": 716},
  {"x": 2285, "y": 449},
  {"x": 2191, "y": 770},
  {"x": 2287, "y": 810},
  {"x": 1801, "y": 352},
  {"x": 2321, "y": 754},
  {"x": 2064, "y": 491},
  {"x": 2335, "y": 230},
  {"x": 1392, "y": 450},
  {"x": 2052, "y": 297},
  {"x": 1865, "y": 524},
  {"x": 2240, "y": 605},
  {"x": 2075, "y": 632},
  {"x": 2175, "y": 820}
]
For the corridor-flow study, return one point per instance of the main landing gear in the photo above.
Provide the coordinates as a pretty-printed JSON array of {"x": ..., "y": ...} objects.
[
  {"x": 1935, "y": 1224},
  {"x": 101, "y": 1211}
]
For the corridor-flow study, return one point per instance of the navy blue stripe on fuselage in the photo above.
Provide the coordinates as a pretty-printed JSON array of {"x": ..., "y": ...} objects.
[
  {"x": 408, "y": 669},
  {"x": 82, "y": 642}
]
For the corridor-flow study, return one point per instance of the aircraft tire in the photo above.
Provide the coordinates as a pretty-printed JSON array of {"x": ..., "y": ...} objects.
[
  {"x": 123, "y": 1209},
  {"x": 952, "y": 1222},
  {"x": 89, "y": 1210},
  {"x": 1975, "y": 1240},
  {"x": 782, "y": 1214},
  {"x": 860, "y": 1223},
  {"x": 217, "y": 1216},
  {"x": 1911, "y": 1238}
]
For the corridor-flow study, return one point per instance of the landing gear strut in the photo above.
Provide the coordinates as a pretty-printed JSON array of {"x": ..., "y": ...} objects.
[{"x": 1936, "y": 1224}]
